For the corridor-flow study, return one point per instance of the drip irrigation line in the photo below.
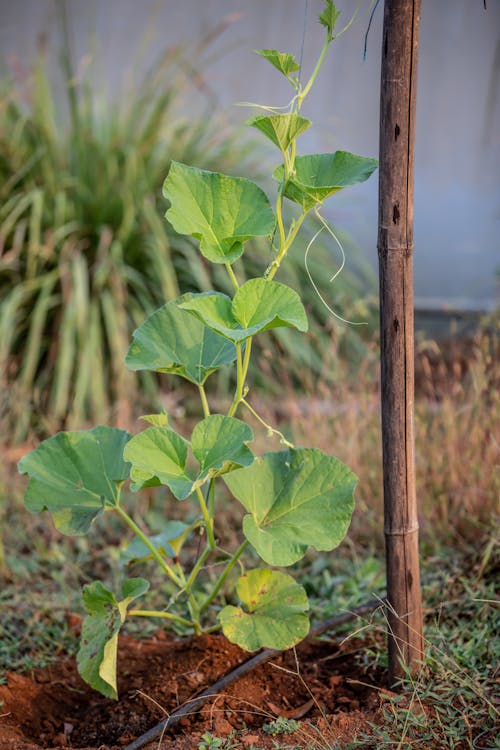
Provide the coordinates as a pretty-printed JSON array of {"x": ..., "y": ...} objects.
[{"x": 194, "y": 704}]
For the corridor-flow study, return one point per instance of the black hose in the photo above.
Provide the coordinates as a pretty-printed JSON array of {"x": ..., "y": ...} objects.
[{"x": 261, "y": 658}]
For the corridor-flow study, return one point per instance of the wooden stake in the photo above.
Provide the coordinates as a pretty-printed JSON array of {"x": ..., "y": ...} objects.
[{"x": 395, "y": 250}]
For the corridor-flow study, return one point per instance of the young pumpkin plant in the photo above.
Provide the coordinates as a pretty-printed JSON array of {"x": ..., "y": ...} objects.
[{"x": 294, "y": 499}]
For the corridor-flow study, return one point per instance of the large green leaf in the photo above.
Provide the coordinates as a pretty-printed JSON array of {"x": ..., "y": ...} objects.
[
  {"x": 168, "y": 543},
  {"x": 318, "y": 176},
  {"x": 280, "y": 129},
  {"x": 172, "y": 341},
  {"x": 96, "y": 657},
  {"x": 257, "y": 306},
  {"x": 296, "y": 498},
  {"x": 282, "y": 61},
  {"x": 158, "y": 456},
  {"x": 76, "y": 476},
  {"x": 272, "y": 613},
  {"x": 220, "y": 444},
  {"x": 221, "y": 211}
]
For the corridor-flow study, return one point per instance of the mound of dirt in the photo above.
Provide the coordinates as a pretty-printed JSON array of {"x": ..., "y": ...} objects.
[{"x": 321, "y": 684}]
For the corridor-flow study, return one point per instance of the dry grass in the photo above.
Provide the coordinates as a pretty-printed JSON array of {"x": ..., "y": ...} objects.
[{"x": 457, "y": 417}]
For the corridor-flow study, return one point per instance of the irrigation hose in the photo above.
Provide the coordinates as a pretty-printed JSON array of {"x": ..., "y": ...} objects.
[{"x": 261, "y": 658}]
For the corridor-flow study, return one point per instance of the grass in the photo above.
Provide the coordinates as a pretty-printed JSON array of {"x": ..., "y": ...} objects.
[
  {"x": 451, "y": 702},
  {"x": 84, "y": 252},
  {"x": 86, "y": 255},
  {"x": 457, "y": 421}
]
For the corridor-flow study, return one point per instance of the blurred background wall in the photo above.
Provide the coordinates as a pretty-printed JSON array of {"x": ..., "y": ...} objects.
[{"x": 457, "y": 199}]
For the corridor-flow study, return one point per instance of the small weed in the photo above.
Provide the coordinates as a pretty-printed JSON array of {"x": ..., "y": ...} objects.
[
  {"x": 209, "y": 742},
  {"x": 281, "y": 725}
]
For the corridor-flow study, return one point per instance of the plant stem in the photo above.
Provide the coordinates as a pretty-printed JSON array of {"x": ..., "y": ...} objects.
[
  {"x": 164, "y": 615},
  {"x": 273, "y": 268},
  {"x": 208, "y": 520},
  {"x": 246, "y": 361},
  {"x": 142, "y": 536},
  {"x": 232, "y": 276},
  {"x": 279, "y": 218},
  {"x": 270, "y": 430},
  {"x": 211, "y": 498},
  {"x": 204, "y": 402},
  {"x": 314, "y": 74},
  {"x": 232, "y": 562},
  {"x": 198, "y": 566},
  {"x": 239, "y": 382}
]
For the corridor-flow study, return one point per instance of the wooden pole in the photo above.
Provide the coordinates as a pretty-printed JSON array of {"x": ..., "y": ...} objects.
[{"x": 395, "y": 250}]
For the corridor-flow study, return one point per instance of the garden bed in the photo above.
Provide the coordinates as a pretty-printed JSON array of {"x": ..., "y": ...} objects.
[{"x": 323, "y": 685}]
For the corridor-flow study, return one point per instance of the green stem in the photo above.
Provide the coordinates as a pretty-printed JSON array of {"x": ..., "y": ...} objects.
[
  {"x": 204, "y": 402},
  {"x": 232, "y": 276},
  {"x": 164, "y": 615},
  {"x": 239, "y": 382},
  {"x": 198, "y": 566},
  {"x": 273, "y": 268},
  {"x": 220, "y": 582},
  {"x": 211, "y": 498},
  {"x": 270, "y": 430},
  {"x": 314, "y": 75},
  {"x": 279, "y": 219},
  {"x": 208, "y": 520},
  {"x": 142, "y": 536},
  {"x": 246, "y": 361}
]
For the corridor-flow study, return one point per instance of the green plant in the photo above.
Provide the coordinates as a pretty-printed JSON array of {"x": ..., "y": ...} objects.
[
  {"x": 281, "y": 725},
  {"x": 84, "y": 256},
  {"x": 209, "y": 742},
  {"x": 295, "y": 498}
]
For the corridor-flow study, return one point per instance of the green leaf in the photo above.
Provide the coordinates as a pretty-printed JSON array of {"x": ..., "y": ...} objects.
[
  {"x": 157, "y": 420},
  {"x": 328, "y": 17},
  {"x": 280, "y": 129},
  {"x": 296, "y": 498},
  {"x": 272, "y": 613},
  {"x": 320, "y": 175},
  {"x": 221, "y": 211},
  {"x": 219, "y": 444},
  {"x": 96, "y": 657},
  {"x": 159, "y": 455},
  {"x": 283, "y": 61},
  {"x": 257, "y": 306},
  {"x": 169, "y": 543},
  {"x": 172, "y": 341},
  {"x": 76, "y": 476}
]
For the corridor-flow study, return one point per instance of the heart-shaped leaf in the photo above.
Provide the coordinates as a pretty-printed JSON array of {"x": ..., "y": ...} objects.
[
  {"x": 272, "y": 613},
  {"x": 96, "y": 657},
  {"x": 318, "y": 176},
  {"x": 76, "y": 476},
  {"x": 221, "y": 211},
  {"x": 296, "y": 498},
  {"x": 257, "y": 306},
  {"x": 280, "y": 129},
  {"x": 220, "y": 445},
  {"x": 172, "y": 341},
  {"x": 282, "y": 61},
  {"x": 169, "y": 543},
  {"x": 158, "y": 456}
]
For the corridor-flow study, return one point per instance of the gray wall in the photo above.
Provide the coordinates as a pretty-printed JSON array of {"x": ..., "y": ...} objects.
[{"x": 457, "y": 200}]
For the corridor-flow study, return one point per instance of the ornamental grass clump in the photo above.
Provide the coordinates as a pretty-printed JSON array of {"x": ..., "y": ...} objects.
[{"x": 293, "y": 499}]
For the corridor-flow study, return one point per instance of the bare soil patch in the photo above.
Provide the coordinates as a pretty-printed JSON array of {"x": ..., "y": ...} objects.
[{"x": 322, "y": 684}]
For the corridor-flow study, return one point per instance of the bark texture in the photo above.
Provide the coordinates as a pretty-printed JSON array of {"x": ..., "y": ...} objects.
[{"x": 395, "y": 250}]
